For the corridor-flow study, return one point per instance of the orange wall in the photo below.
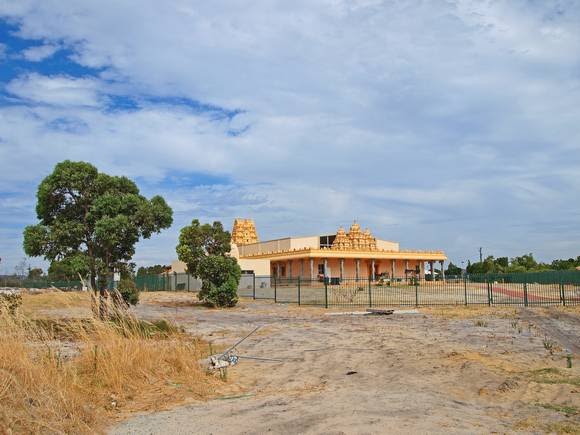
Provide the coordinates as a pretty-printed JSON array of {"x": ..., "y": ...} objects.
[{"x": 349, "y": 267}]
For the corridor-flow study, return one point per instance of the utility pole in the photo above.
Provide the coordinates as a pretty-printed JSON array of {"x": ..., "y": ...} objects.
[{"x": 480, "y": 255}]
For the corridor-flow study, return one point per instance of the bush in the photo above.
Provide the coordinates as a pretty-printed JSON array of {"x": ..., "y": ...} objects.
[
  {"x": 225, "y": 295},
  {"x": 220, "y": 278},
  {"x": 128, "y": 291}
]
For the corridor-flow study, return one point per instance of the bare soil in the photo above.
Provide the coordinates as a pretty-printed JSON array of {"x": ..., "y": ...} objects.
[{"x": 455, "y": 370}]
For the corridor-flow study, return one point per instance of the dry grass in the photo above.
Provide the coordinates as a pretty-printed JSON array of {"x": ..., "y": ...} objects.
[
  {"x": 76, "y": 376},
  {"x": 53, "y": 303},
  {"x": 471, "y": 312}
]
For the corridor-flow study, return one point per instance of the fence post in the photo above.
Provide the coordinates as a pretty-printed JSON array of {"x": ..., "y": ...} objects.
[
  {"x": 465, "y": 288},
  {"x": 174, "y": 281},
  {"x": 166, "y": 284},
  {"x": 416, "y": 292},
  {"x": 298, "y": 291},
  {"x": 370, "y": 294},
  {"x": 488, "y": 292},
  {"x": 562, "y": 293},
  {"x": 525, "y": 293},
  {"x": 325, "y": 292},
  {"x": 188, "y": 288},
  {"x": 275, "y": 290},
  {"x": 254, "y": 286}
]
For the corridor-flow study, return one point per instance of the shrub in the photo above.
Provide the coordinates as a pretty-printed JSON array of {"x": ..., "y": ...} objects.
[
  {"x": 220, "y": 277},
  {"x": 128, "y": 291},
  {"x": 224, "y": 295}
]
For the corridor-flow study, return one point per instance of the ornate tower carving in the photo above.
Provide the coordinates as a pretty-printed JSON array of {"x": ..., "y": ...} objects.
[
  {"x": 341, "y": 241},
  {"x": 355, "y": 239},
  {"x": 244, "y": 232}
]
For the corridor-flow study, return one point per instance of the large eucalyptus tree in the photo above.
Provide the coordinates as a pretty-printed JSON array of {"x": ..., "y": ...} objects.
[{"x": 92, "y": 221}]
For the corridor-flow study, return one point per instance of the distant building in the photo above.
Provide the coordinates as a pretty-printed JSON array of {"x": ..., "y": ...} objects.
[{"x": 352, "y": 254}]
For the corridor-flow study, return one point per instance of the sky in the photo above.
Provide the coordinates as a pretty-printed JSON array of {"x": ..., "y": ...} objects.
[{"x": 438, "y": 124}]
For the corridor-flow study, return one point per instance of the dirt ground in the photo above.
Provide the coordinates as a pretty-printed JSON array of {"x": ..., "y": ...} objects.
[{"x": 454, "y": 370}]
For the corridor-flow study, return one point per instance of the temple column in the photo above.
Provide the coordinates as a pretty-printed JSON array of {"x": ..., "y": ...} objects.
[
  {"x": 393, "y": 269},
  {"x": 432, "y": 270},
  {"x": 373, "y": 270},
  {"x": 421, "y": 270},
  {"x": 278, "y": 270},
  {"x": 325, "y": 268},
  {"x": 341, "y": 269},
  {"x": 357, "y": 268},
  {"x": 442, "y": 262},
  {"x": 289, "y": 266},
  {"x": 312, "y": 269},
  {"x": 406, "y": 269}
]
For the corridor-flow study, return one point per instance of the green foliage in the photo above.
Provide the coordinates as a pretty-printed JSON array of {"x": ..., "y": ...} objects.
[
  {"x": 91, "y": 221},
  {"x": 35, "y": 273},
  {"x": 523, "y": 263},
  {"x": 197, "y": 241},
  {"x": 152, "y": 270},
  {"x": 205, "y": 249},
  {"x": 220, "y": 277},
  {"x": 453, "y": 270},
  {"x": 224, "y": 295},
  {"x": 69, "y": 268},
  {"x": 128, "y": 291}
]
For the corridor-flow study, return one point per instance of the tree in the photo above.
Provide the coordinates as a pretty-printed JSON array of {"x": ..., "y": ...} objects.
[
  {"x": 91, "y": 221},
  {"x": 205, "y": 250},
  {"x": 453, "y": 270},
  {"x": 524, "y": 262},
  {"x": 152, "y": 270},
  {"x": 35, "y": 273}
]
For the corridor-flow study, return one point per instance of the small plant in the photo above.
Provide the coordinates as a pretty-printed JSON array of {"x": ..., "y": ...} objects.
[
  {"x": 549, "y": 345},
  {"x": 128, "y": 291},
  {"x": 481, "y": 323},
  {"x": 569, "y": 360}
]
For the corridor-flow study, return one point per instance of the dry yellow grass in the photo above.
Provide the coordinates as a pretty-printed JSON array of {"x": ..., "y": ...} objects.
[
  {"x": 78, "y": 375},
  {"x": 46, "y": 304}
]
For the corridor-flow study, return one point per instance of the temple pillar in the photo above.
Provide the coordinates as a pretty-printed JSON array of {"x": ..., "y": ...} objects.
[
  {"x": 325, "y": 267},
  {"x": 373, "y": 270},
  {"x": 312, "y": 269},
  {"x": 406, "y": 269},
  {"x": 421, "y": 270},
  {"x": 432, "y": 270},
  {"x": 393, "y": 269},
  {"x": 289, "y": 268},
  {"x": 442, "y": 262},
  {"x": 341, "y": 269},
  {"x": 357, "y": 268},
  {"x": 278, "y": 270}
]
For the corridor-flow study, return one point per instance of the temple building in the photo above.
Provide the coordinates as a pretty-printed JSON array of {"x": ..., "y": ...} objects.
[{"x": 346, "y": 254}]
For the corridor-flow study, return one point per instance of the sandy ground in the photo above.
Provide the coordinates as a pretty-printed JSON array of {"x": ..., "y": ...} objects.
[{"x": 454, "y": 371}]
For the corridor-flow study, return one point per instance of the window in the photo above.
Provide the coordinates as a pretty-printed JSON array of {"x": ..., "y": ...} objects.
[{"x": 326, "y": 241}]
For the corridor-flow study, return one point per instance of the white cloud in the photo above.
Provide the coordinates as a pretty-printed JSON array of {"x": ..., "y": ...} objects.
[
  {"x": 40, "y": 52},
  {"x": 435, "y": 122},
  {"x": 56, "y": 90}
]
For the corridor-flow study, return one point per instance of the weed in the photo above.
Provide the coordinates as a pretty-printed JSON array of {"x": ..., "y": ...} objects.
[
  {"x": 552, "y": 375},
  {"x": 568, "y": 410},
  {"x": 549, "y": 345},
  {"x": 481, "y": 323}
]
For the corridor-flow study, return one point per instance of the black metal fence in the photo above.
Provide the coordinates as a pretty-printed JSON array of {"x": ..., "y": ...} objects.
[
  {"x": 517, "y": 289},
  {"x": 561, "y": 289}
]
